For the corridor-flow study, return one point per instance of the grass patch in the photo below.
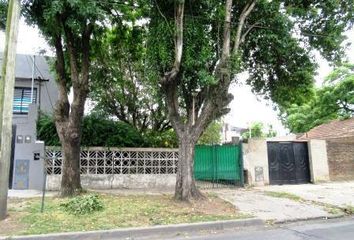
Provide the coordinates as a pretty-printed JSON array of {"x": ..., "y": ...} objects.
[
  {"x": 349, "y": 210},
  {"x": 284, "y": 195},
  {"x": 117, "y": 212}
]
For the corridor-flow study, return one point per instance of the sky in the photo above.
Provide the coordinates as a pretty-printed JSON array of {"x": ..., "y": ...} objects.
[{"x": 245, "y": 108}]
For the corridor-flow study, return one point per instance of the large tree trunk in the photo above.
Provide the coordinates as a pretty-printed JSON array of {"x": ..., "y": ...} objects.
[
  {"x": 185, "y": 183},
  {"x": 70, "y": 139},
  {"x": 70, "y": 182},
  {"x": 68, "y": 116}
]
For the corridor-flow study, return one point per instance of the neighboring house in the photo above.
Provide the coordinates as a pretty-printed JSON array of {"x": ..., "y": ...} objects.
[
  {"x": 26, "y": 162},
  {"x": 339, "y": 136},
  {"x": 229, "y": 132}
]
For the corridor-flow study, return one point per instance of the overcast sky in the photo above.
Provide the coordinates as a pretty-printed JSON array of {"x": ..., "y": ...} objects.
[{"x": 245, "y": 108}]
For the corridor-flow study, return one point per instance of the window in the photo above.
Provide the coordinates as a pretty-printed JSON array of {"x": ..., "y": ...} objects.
[{"x": 22, "y": 99}]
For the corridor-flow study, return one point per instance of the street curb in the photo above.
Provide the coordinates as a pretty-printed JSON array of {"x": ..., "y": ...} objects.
[
  {"x": 146, "y": 231},
  {"x": 309, "y": 219}
]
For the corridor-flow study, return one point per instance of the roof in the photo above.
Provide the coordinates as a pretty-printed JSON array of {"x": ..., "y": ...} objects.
[
  {"x": 333, "y": 129},
  {"x": 24, "y": 65}
]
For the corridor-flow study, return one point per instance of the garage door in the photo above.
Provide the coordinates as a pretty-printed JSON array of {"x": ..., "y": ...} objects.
[{"x": 288, "y": 163}]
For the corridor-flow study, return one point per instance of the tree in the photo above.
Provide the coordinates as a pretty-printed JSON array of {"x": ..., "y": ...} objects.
[
  {"x": 214, "y": 40},
  {"x": 271, "y": 132},
  {"x": 334, "y": 100},
  {"x": 68, "y": 27},
  {"x": 256, "y": 130},
  {"x": 123, "y": 87}
]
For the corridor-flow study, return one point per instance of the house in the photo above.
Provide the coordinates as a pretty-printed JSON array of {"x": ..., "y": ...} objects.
[
  {"x": 229, "y": 132},
  {"x": 35, "y": 90},
  {"x": 339, "y": 137}
]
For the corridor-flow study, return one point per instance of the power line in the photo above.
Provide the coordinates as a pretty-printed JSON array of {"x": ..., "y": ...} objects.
[{"x": 45, "y": 83}]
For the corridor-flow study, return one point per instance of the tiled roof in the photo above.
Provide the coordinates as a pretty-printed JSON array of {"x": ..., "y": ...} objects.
[{"x": 333, "y": 129}]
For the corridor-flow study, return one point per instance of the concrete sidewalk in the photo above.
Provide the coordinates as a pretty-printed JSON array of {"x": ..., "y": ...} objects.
[
  {"x": 269, "y": 208},
  {"x": 340, "y": 194},
  {"x": 29, "y": 193},
  {"x": 316, "y": 201}
]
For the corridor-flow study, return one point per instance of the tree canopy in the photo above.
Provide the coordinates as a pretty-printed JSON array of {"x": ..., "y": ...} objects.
[
  {"x": 121, "y": 86},
  {"x": 3, "y": 14},
  {"x": 257, "y": 130},
  {"x": 333, "y": 100}
]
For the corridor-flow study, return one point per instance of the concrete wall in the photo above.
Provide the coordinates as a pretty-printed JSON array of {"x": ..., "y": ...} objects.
[
  {"x": 25, "y": 150},
  {"x": 255, "y": 158},
  {"x": 318, "y": 161},
  {"x": 28, "y": 172},
  {"x": 340, "y": 152},
  {"x": 290, "y": 137},
  {"x": 114, "y": 181},
  {"x": 255, "y": 155}
]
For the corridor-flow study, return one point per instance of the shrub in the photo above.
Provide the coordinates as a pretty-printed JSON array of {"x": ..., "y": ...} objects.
[
  {"x": 96, "y": 131},
  {"x": 46, "y": 130},
  {"x": 81, "y": 205},
  {"x": 165, "y": 139}
]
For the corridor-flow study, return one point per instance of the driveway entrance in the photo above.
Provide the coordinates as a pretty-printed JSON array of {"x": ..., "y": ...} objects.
[{"x": 288, "y": 163}]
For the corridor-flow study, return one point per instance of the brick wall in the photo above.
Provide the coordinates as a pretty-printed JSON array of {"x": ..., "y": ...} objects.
[{"x": 340, "y": 152}]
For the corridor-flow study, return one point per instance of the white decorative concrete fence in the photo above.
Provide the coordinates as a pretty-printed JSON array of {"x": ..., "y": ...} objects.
[{"x": 106, "y": 168}]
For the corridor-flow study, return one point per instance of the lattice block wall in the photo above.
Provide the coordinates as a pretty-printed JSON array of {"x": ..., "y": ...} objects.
[{"x": 118, "y": 161}]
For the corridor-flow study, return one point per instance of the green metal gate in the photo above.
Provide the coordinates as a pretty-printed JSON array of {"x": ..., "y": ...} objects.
[{"x": 218, "y": 166}]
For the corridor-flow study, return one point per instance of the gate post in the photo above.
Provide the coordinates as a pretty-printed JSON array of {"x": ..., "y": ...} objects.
[{"x": 242, "y": 181}]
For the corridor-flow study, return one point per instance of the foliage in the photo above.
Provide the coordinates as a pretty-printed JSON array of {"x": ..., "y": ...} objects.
[
  {"x": 212, "y": 134},
  {"x": 81, "y": 205},
  {"x": 279, "y": 61},
  {"x": 3, "y": 14},
  {"x": 257, "y": 131},
  {"x": 271, "y": 132},
  {"x": 46, "y": 130},
  {"x": 164, "y": 139},
  {"x": 334, "y": 100},
  {"x": 96, "y": 131},
  {"x": 122, "y": 86}
]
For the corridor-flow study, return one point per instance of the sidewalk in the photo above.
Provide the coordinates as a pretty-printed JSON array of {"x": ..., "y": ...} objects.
[
  {"x": 340, "y": 194},
  {"x": 292, "y": 202},
  {"x": 29, "y": 193}
]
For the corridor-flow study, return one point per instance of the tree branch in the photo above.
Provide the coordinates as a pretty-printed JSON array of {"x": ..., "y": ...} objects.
[
  {"x": 62, "y": 106},
  {"x": 170, "y": 80},
  {"x": 179, "y": 17},
  {"x": 227, "y": 29},
  {"x": 244, "y": 14},
  {"x": 247, "y": 32},
  {"x": 217, "y": 96}
]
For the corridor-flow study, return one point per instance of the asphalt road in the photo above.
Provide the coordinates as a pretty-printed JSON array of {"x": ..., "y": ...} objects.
[{"x": 324, "y": 230}]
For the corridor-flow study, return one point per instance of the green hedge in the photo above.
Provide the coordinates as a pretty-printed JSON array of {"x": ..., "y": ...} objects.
[{"x": 96, "y": 131}]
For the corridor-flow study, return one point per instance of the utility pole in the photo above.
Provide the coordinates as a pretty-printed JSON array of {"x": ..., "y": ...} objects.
[{"x": 7, "y": 83}]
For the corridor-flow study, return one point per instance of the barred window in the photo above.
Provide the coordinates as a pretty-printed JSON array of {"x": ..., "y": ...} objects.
[{"x": 22, "y": 99}]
